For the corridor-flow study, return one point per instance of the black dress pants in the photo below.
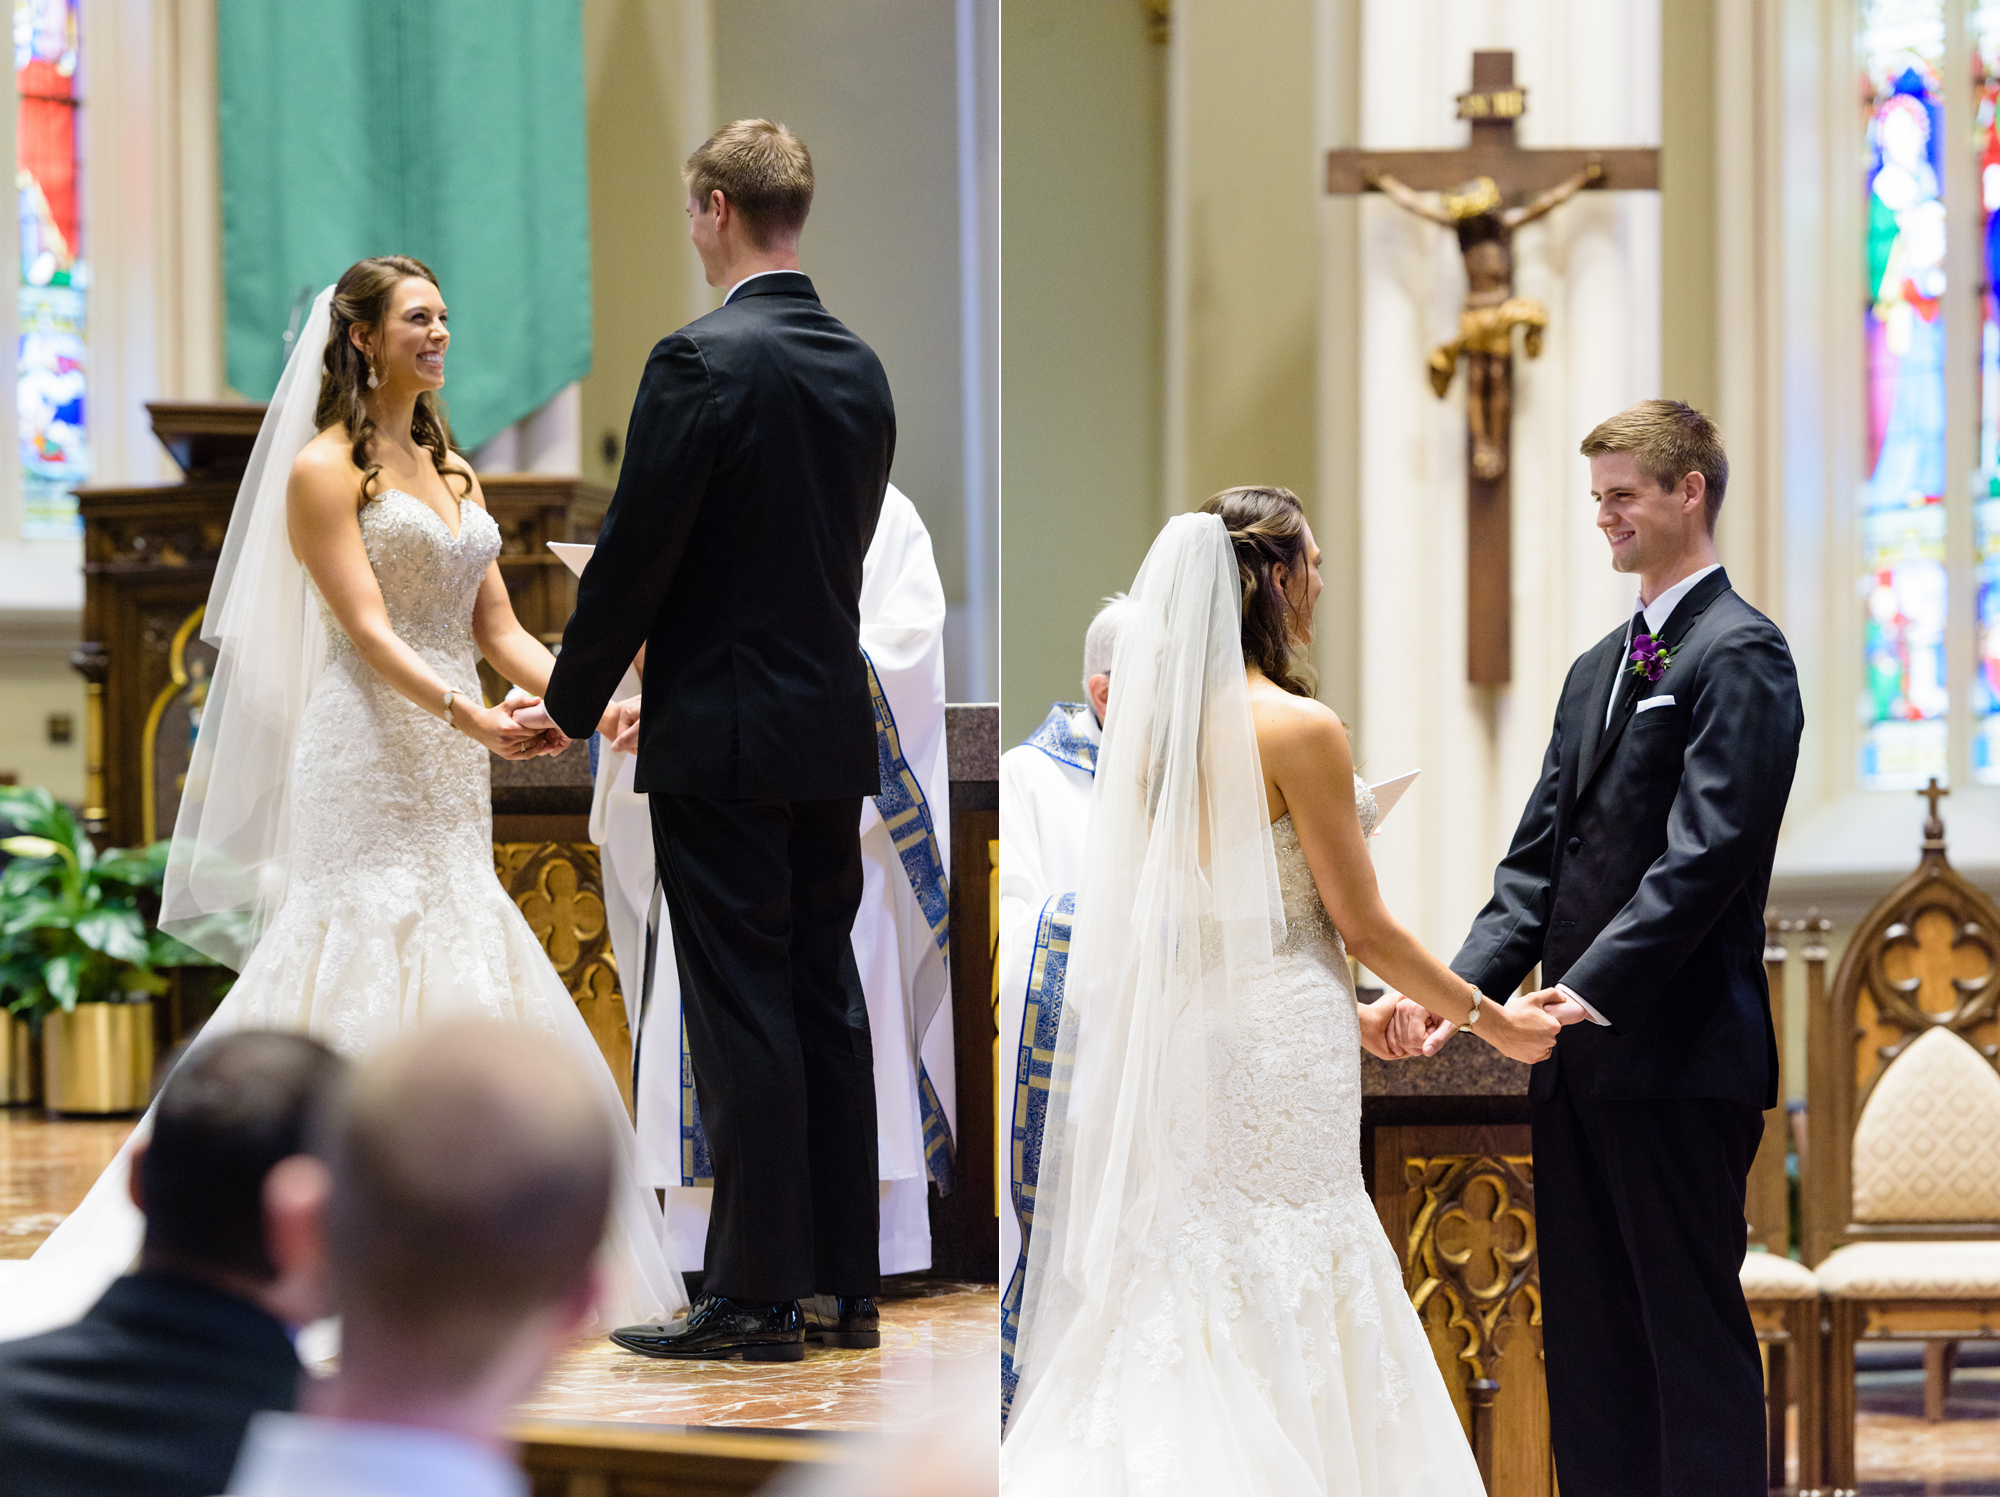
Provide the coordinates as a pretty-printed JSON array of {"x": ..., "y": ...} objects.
[
  {"x": 1655, "y": 1387},
  {"x": 762, "y": 895}
]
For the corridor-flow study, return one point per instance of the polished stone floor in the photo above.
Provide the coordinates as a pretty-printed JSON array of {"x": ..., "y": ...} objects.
[
  {"x": 935, "y": 1334},
  {"x": 46, "y": 1168},
  {"x": 937, "y": 1338},
  {"x": 1900, "y": 1455}
]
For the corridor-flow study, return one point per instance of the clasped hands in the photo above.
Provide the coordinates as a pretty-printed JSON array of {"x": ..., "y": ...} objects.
[
  {"x": 528, "y": 729},
  {"x": 1525, "y": 1027}
]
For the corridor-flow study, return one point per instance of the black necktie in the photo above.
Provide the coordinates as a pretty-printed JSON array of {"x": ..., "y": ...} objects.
[{"x": 1618, "y": 681}]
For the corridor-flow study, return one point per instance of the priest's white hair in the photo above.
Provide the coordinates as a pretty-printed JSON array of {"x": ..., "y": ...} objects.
[{"x": 1101, "y": 639}]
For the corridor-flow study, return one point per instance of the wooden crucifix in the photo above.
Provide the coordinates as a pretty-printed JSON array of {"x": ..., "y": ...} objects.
[{"x": 1488, "y": 190}]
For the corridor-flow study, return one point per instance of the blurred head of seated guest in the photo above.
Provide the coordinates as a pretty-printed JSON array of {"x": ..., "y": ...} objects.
[
  {"x": 151, "y": 1391},
  {"x": 472, "y": 1171}
]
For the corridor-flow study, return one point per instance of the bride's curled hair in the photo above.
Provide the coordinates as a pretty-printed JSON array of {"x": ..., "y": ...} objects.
[
  {"x": 361, "y": 298},
  {"x": 1267, "y": 528}
]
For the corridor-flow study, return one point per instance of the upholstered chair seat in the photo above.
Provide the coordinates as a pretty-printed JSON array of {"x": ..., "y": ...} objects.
[
  {"x": 1768, "y": 1276},
  {"x": 1912, "y": 1270}
]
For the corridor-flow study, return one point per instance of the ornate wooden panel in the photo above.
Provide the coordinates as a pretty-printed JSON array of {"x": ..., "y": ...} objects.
[
  {"x": 149, "y": 559},
  {"x": 559, "y": 889},
  {"x": 965, "y": 1233},
  {"x": 531, "y": 510},
  {"x": 1463, "y": 1222}
]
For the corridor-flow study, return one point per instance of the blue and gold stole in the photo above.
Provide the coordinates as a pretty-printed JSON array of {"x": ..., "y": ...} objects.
[
  {"x": 1058, "y": 738},
  {"x": 907, "y": 816},
  {"x": 1033, "y": 1078}
]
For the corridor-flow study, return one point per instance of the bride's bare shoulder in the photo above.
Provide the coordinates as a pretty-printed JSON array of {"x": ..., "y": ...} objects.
[
  {"x": 1294, "y": 728},
  {"x": 324, "y": 469}
]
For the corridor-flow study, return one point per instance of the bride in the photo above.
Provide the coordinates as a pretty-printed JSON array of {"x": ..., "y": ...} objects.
[
  {"x": 1211, "y": 1304},
  {"x": 335, "y": 842}
]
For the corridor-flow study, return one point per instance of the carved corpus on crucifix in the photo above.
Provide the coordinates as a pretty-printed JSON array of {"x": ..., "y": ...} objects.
[{"x": 1487, "y": 191}]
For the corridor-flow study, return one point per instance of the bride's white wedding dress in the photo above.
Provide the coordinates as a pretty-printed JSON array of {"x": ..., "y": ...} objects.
[
  {"x": 393, "y": 916},
  {"x": 1265, "y": 1344}
]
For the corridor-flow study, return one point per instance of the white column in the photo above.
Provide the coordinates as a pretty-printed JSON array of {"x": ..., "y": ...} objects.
[{"x": 1592, "y": 75}]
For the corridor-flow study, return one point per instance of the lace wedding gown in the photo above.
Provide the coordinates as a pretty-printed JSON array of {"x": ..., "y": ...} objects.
[
  {"x": 1267, "y": 1346},
  {"x": 393, "y": 916}
]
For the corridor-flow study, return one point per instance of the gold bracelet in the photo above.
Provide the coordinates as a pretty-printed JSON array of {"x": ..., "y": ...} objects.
[
  {"x": 1477, "y": 997},
  {"x": 449, "y": 693}
]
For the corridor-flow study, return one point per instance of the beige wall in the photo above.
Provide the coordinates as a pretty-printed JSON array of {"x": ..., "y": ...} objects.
[
  {"x": 1083, "y": 115},
  {"x": 35, "y": 681},
  {"x": 642, "y": 79},
  {"x": 1243, "y": 249},
  {"x": 871, "y": 86}
]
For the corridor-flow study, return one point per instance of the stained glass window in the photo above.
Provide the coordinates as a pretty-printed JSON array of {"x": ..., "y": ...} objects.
[
  {"x": 1904, "y": 583},
  {"x": 1986, "y": 510},
  {"x": 55, "y": 452}
]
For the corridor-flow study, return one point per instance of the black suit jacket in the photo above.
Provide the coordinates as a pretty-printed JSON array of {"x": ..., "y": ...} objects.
[
  {"x": 1639, "y": 871},
  {"x": 755, "y": 466},
  {"x": 147, "y": 1396}
]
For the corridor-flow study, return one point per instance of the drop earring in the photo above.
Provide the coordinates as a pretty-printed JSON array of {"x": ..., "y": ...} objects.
[{"x": 372, "y": 380}]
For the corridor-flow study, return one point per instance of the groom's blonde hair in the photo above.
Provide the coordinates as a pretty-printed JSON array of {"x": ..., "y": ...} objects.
[
  {"x": 764, "y": 171},
  {"x": 1671, "y": 440}
]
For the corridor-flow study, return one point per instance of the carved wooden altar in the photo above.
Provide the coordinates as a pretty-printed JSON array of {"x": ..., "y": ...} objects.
[{"x": 1447, "y": 1155}]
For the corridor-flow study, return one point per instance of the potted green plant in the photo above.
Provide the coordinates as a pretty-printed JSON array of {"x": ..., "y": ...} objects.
[{"x": 78, "y": 955}]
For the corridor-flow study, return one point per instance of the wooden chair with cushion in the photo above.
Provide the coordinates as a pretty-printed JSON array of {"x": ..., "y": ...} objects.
[
  {"x": 1902, "y": 1184},
  {"x": 1783, "y": 1295}
]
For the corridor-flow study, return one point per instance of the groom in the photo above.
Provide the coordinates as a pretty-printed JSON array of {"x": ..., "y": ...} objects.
[
  {"x": 1637, "y": 880},
  {"x": 754, "y": 470}
]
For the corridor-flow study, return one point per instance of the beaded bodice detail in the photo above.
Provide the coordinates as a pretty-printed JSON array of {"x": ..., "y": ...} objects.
[
  {"x": 429, "y": 578},
  {"x": 1306, "y": 919}
]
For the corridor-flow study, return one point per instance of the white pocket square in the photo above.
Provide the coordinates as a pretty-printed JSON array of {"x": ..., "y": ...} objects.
[{"x": 1652, "y": 702}]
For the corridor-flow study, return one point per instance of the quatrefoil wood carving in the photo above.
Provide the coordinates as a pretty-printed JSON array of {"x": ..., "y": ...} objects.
[
  {"x": 1472, "y": 1247},
  {"x": 1927, "y": 957}
]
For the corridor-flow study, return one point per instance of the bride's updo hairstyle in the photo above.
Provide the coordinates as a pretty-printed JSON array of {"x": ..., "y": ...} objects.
[
  {"x": 1267, "y": 527},
  {"x": 361, "y": 299}
]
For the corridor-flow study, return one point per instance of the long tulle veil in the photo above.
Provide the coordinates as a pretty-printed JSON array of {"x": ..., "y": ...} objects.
[
  {"x": 231, "y": 858},
  {"x": 1178, "y": 904}
]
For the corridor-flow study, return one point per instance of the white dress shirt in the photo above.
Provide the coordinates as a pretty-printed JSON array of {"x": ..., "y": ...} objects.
[
  {"x": 1657, "y": 613},
  {"x": 749, "y": 278},
  {"x": 297, "y": 1455}
]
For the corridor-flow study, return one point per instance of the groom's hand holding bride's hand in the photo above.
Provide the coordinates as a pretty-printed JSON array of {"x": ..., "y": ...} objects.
[
  {"x": 1527, "y": 1033},
  {"x": 1387, "y": 1033},
  {"x": 535, "y": 732}
]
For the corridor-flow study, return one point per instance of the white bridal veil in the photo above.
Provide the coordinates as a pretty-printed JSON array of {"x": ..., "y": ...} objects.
[
  {"x": 231, "y": 856},
  {"x": 1178, "y": 904}
]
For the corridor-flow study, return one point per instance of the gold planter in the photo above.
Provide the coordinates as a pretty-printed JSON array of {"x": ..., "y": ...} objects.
[
  {"x": 98, "y": 1058},
  {"x": 20, "y": 1076}
]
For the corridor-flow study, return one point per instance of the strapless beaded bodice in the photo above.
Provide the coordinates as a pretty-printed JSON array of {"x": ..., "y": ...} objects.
[
  {"x": 1306, "y": 919},
  {"x": 429, "y": 578}
]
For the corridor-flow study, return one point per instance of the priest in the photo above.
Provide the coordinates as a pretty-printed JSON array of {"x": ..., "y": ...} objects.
[
  {"x": 1045, "y": 787},
  {"x": 899, "y": 934}
]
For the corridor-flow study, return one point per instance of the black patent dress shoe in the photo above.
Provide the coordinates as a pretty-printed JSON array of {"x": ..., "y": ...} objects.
[
  {"x": 715, "y": 1329},
  {"x": 842, "y": 1320}
]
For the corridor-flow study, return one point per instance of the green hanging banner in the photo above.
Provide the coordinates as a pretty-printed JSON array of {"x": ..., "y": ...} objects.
[{"x": 452, "y": 130}]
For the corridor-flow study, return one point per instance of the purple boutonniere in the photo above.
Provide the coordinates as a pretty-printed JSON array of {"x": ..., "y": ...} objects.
[{"x": 1649, "y": 658}]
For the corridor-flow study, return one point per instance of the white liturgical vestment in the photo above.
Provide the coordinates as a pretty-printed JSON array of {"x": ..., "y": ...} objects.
[
  {"x": 903, "y": 972},
  {"x": 1044, "y": 812}
]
